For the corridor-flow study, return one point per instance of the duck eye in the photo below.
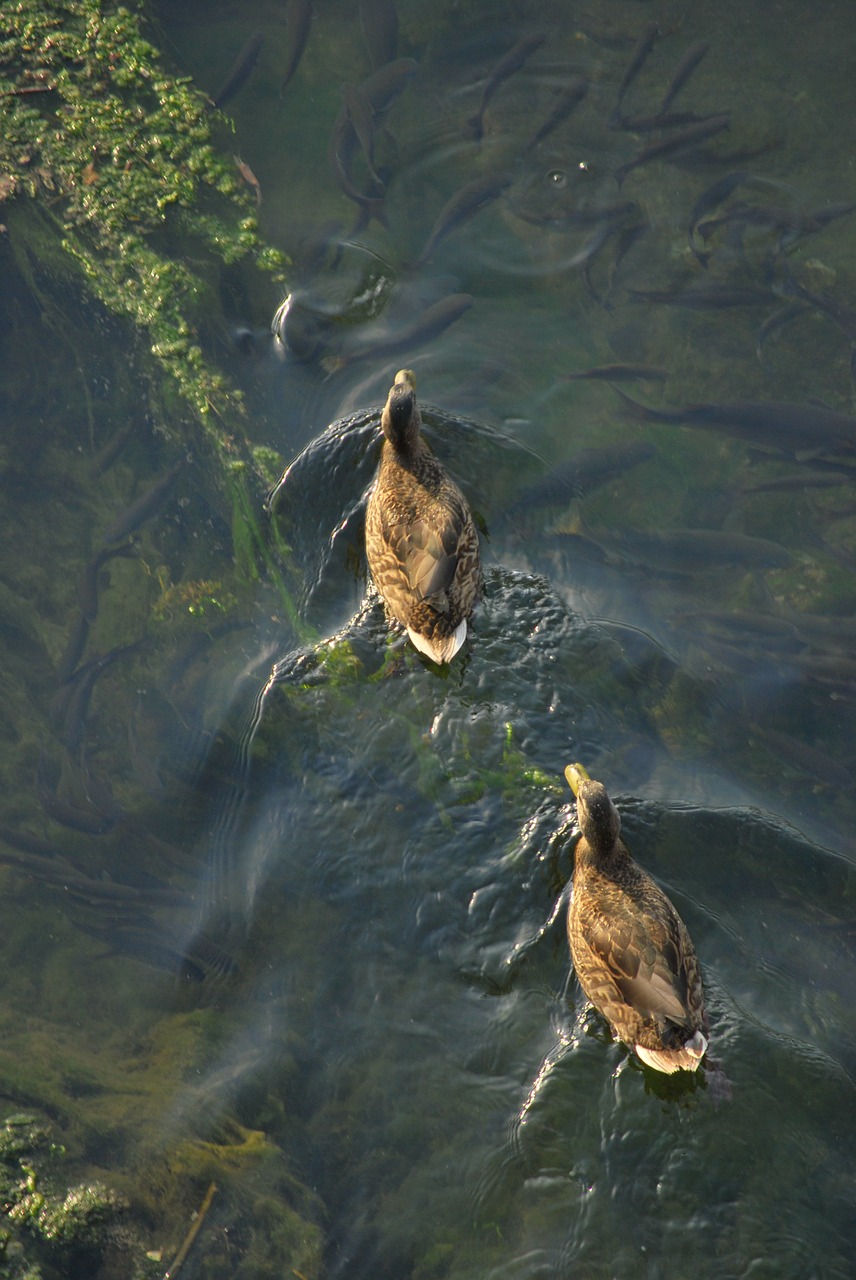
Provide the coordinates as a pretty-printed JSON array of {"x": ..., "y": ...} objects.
[{"x": 557, "y": 178}]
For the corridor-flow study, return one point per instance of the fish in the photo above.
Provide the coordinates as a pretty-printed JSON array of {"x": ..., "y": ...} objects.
[
  {"x": 466, "y": 202},
  {"x": 801, "y": 481},
  {"x": 791, "y": 224},
  {"x": 298, "y": 17},
  {"x": 427, "y": 326},
  {"x": 341, "y": 151},
  {"x": 839, "y": 630},
  {"x": 751, "y": 626},
  {"x": 565, "y": 215},
  {"x": 780, "y": 317},
  {"x": 90, "y": 819},
  {"x": 361, "y": 116},
  {"x": 710, "y": 198},
  {"x": 375, "y": 95},
  {"x": 585, "y": 472},
  {"x": 138, "y": 936},
  {"x": 26, "y": 842},
  {"x": 648, "y": 123},
  {"x": 242, "y": 69},
  {"x": 705, "y": 296},
  {"x": 639, "y": 57},
  {"x": 688, "y": 551},
  {"x": 51, "y": 867},
  {"x": 689, "y": 137},
  {"x": 618, "y": 373},
  {"x": 843, "y": 316},
  {"x": 807, "y": 760},
  {"x": 776, "y": 424},
  {"x": 507, "y": 65},
  {"x": 146, "y": 506},
  {"x": 111, "y": 449},
  {"x": 387, "y": 83},
  {"x": 683, "y": 71},
  {"x": 570, "y": 98},
  {"x": 144, "y": 770},
  {"x": 379, "y": 22},
  {"x": 87, "y": 587},
  {"x": 72, "y": 702},
  {"x": 75, "y": 646}
]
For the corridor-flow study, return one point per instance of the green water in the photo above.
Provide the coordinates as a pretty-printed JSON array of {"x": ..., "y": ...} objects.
[{"x": 311, "y": 952}]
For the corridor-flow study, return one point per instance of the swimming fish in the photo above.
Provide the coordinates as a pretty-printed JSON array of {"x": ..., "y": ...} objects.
[
  {"x": 146, "y": 506},
  {"x": 570, "y": 98},
  {"x": 639, "y": 57},
  {"x": 426, "y": 326},
  {"x": 242, "y": 69},
  {"x": 694, "y": 134},
  {"x": 379, "y": 21},
  {"x": 298, "y": 17},
  {"x": 776, "y": 424},
  {"x": 507, "y": 65},
  {"x": 460, "y": 207},
  {"x": 682, "y": 73}
]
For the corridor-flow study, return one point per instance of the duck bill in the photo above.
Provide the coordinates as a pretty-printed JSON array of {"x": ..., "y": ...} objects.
[{"x": 575, "y": 774}]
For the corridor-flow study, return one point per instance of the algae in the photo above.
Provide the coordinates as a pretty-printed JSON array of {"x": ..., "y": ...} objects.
[
  {"x": 49, "y": 1230},
  {"x": 106, "y": 159}
]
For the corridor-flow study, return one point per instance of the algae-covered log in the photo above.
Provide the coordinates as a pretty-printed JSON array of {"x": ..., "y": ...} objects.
[{"x": 117, "y": 153}]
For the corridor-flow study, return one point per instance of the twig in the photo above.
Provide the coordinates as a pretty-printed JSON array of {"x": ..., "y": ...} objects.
[
  {"x": 179, "y": 1258},
  {"x": 29, "y": 88}
]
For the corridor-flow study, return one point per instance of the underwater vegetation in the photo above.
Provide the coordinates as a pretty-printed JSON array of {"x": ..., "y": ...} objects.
[{"x": 104, "y": 152}]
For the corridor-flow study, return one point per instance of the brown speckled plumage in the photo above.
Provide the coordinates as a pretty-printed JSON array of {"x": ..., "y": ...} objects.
[
  {"x": 421, "y": 543},
  {"x": 631, "y": 951}
]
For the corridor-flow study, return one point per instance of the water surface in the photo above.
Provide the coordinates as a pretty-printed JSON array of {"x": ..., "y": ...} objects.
[{"x": 326, "y": 970}]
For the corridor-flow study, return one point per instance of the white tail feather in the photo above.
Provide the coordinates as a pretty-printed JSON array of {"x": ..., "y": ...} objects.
[
  {"x": 687, "y": 1058},
  {"x": 442, "y": 648}
]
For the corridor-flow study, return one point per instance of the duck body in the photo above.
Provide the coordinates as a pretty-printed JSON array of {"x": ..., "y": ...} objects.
[
  {"x": 422, "y": 545},
  {"x": 631, "y": 951}
]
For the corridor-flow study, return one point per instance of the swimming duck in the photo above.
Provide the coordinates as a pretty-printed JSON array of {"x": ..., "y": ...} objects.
[
  {"x": 630, "y": 948},
  {"x": 421, "y": 542}
]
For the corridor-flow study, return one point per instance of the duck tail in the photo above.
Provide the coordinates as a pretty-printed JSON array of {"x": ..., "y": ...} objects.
[
  {"x": 440, "y": 649},
  {"x": 687, "y": 1058}
]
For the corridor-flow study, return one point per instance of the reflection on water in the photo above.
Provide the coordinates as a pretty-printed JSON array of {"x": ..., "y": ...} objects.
[{"x": 310, "y": 890}]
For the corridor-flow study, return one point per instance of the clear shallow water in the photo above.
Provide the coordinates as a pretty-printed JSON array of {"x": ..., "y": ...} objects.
[{"x": 367, "y": 973}]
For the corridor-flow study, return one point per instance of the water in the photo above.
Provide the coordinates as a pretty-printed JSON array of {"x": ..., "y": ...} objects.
[{"x": 316, "y": 956}]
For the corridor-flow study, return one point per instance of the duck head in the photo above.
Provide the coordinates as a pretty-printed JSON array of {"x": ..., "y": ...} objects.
[
  {"x": 401, "y": 419},
  {"x": 598, "y": 817}
]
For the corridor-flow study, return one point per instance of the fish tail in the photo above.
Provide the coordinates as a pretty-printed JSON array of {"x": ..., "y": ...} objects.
[
  {"x": 642, "y": 412},
  {"x": 375, "y": 210}
]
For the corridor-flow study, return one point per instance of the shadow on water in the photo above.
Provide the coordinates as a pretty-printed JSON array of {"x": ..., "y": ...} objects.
[{"x": 284, "y": 902}]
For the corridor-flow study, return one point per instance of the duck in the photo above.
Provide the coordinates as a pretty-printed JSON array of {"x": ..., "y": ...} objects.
[
  {"x": 422, "y": 544},
  {"x": 631, "y": 950}
]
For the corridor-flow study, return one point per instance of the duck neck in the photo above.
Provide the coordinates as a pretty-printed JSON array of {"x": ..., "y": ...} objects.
[
  {"x": 597, "y": 856},
  {"x": 406, "y": 451}
]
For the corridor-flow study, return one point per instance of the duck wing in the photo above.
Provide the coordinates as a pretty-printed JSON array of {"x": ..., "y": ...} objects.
[
  {"x": 643, "y": 961},
  {"x": 428, "y": 557}
]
